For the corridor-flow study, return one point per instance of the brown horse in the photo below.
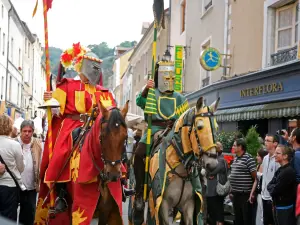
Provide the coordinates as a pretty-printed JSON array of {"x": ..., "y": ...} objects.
[
  {"x": 95, "y": 189},
  {"x": 101, "y": 160}
]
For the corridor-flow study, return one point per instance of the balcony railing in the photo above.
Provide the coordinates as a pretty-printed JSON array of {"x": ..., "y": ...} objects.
[{"x": 284, "y": 56}]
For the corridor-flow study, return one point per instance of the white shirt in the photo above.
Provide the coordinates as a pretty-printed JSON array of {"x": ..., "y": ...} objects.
[
  {"x": 28, "y": 173},
  {"x": 269, "y": 168}
]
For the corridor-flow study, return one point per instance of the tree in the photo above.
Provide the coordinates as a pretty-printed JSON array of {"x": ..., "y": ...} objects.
[
  {"x": 102, "y": 50},
  {"x": 252, "y": 141},
  {"x": 128, "y": 44}
]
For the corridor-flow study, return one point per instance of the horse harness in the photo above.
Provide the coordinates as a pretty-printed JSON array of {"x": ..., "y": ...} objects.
[
  {"x": 102, "y": 175},
  {"x": 190, "y": 162}
]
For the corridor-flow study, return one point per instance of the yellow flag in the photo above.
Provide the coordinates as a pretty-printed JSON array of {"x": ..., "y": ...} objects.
[{"x": 35, "y": 8}]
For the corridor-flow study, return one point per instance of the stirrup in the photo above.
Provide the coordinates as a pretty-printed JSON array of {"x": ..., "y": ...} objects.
[{"x": 63, "y": 202}]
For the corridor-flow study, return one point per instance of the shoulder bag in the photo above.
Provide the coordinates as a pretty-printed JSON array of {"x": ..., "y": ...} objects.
[{"x": 223, "y": 190}]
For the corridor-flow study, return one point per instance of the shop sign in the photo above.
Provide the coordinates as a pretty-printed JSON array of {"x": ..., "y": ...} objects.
[
  {"x": 178, "y": 68},
  {"x": 262, "y": 89},
  {"x": 210, "y": 59}
]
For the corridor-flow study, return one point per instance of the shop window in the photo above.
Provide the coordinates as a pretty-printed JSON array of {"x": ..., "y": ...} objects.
[{"x": 182, "y": 16}]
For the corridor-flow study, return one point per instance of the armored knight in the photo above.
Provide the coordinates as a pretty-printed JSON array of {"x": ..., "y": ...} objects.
[
  {"x": 76, "y": 97},
  {"x": 169, "y": 106}
]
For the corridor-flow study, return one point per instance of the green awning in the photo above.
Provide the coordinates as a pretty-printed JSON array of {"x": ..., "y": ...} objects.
[{"x": 266, "y": 111}]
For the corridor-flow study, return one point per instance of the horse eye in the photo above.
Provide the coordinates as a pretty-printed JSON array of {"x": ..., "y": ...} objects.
[{"x": 200, "y": 124}]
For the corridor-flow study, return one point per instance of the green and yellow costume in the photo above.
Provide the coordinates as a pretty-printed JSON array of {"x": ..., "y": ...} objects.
[{"x": 169, "y": 106}]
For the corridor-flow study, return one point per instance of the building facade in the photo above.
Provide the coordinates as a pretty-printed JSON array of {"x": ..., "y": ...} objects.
[
  {"x": 122, "y": 55},
  {"x": 141, "y": 60},
  {"x": 262, "y": 87},
  {"x": 20, "y": 66},
  {"x": 204, "y": 27}
]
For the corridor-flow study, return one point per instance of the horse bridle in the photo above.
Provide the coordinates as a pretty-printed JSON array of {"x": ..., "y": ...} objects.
[
  {"x": 106, "y": 161},
  {"x": 202, "y": 152}
]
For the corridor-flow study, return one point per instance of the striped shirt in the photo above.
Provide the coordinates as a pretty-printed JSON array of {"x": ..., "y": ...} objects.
[{"x": 240, "y": 177}]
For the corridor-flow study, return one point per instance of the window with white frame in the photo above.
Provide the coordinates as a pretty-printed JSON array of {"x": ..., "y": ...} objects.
[
  {"x": 2, "y": 87},
  {"x": 205, "y": 75},
  {"x": 26, "y": 45},
  {"x": 20, "y": 57},
  {"x": 3, "y": 42},
  {"x": 206, "y": 5},
  {"x": 12, "y": 49},
  {"x": 287, "y": 20},
  {"x": 2, "y": 11}
]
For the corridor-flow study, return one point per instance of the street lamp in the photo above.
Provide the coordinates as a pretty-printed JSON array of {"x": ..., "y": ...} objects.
[{"x": 167, "y": 56}]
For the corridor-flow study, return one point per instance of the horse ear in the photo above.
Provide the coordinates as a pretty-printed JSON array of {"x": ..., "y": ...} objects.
[
  {"x": 214, "y": 106},
  {"x": 199, "y": 103},
  {"x": 102, "y": 109},
  {"x": 124, "y": 111}
]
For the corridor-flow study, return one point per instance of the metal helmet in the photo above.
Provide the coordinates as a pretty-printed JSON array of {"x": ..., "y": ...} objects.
[
  {"x": 91, "y": 68},
  {"x": 165, "y": 76}
]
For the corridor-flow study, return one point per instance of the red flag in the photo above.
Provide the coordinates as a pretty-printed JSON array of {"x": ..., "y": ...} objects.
[{"x": 49, "y": 5}]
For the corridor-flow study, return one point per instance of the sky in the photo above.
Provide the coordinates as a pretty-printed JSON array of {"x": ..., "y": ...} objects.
[{"x": 88, "y": 21}]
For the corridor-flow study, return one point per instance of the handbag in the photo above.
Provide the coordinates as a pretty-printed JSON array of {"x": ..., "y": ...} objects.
[
  {"x": 223, "y": 189},
  {"x": 13, "y": 177}
]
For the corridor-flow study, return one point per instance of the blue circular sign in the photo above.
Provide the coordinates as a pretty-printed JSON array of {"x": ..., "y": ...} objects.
[{"x": 210, "y": 59}]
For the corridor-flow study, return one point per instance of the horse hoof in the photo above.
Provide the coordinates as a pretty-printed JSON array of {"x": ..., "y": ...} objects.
[
  {"x": 137, "y": 216},
  {"x": 139, "y": 204}
]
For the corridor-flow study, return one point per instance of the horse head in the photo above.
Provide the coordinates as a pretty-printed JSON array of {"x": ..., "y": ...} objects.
[
  {"x": 203, "y": 140},
  {"x": 112, "y": 139}
]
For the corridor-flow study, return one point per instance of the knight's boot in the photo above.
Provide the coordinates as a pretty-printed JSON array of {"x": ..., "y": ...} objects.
[
  {"x": 126, "y": 192},
  {"x": 61, "y": 204}
]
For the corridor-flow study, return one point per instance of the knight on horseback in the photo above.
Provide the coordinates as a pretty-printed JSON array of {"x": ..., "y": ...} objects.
[
  {"x": 170, "y": 105},
  {"x": 76, "y": 97}
]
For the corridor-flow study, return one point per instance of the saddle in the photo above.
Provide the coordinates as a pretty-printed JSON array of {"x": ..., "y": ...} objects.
[{"x": 157, "y": 137}]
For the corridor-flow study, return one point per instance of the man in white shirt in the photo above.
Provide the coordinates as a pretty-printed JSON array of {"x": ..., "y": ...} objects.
[
  {"x": 32, "y": 149},
  {"x": 269, "y": 169}
]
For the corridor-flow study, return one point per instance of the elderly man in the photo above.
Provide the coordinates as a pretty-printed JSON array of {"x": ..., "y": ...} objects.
[{"x": 32, "y": 149}]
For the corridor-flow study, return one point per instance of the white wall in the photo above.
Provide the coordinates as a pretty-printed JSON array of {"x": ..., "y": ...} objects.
[
  {"x": 3, "y": 43},
  {"x": 16, "y": 37},
  {"x": 176, "y": 38}
]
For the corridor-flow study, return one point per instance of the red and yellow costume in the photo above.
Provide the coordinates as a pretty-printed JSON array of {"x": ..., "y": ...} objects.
[{"x": 75, "y": 98}]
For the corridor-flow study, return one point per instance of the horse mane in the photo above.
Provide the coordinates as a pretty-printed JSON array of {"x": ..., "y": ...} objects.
[{"x": 115, "y": 118}]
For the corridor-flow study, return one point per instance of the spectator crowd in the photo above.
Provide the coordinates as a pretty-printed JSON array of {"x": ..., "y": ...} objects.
[
  {"x": 262, "y": 191},
  {"x": 20, "y": 156}
]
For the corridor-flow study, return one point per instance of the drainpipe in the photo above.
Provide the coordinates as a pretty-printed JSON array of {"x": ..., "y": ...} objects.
[
  {"x": 169, "y": 25},
  {"x": 7, "y": 51},
  {"x": 226, "y": 36}
]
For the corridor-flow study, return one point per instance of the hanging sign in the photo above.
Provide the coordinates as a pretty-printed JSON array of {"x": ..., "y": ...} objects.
[
  {"x": 210, "y": 59},
  {"x": 178, "y": 68}
]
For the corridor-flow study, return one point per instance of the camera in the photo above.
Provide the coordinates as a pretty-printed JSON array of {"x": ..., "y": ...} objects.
[{"x": 280, "y": 132}]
